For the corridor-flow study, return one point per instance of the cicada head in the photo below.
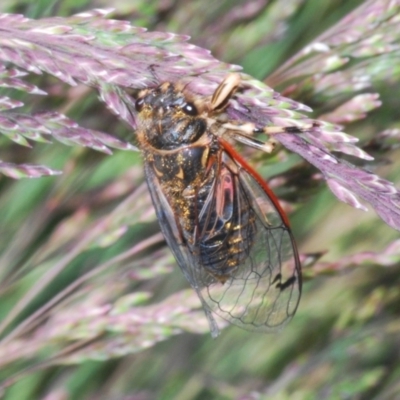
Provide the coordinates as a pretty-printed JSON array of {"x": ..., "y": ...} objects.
[{"x": 168, "y": 119}]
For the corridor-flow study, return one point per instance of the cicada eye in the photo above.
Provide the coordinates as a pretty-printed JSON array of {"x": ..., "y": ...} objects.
[
  {"x": 139, "y": 103},
  {"x": 189, "y": 109}
]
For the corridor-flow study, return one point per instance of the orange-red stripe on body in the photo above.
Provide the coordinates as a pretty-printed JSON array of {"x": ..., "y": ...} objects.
[{"x": 243, "y": 163}]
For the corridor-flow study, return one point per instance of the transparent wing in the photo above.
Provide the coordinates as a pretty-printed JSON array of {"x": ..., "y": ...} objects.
[
  {"x": 263, "y": 292},
  {"x": 171, "y": 229}
]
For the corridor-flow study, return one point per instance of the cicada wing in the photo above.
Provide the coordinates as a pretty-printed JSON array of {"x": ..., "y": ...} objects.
[
  {"x": 166, "y": 219},
  {"x": 263, "y": 292},
  {"x": 170, "y": 227}
]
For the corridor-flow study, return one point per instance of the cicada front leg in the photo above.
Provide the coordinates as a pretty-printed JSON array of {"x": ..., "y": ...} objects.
[{"x": 245, "y": 132}]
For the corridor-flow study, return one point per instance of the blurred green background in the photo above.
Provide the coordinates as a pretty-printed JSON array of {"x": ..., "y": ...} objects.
[{"x": 344, "y": 341}]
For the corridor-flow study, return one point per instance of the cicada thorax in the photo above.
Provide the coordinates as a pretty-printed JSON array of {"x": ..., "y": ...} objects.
[{"x": 199, "y": 185}]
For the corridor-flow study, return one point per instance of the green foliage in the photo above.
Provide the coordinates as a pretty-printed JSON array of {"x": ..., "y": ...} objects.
[{"x": 92, "y": 304}]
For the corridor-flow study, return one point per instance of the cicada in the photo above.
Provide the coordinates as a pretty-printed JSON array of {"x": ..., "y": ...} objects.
[{"x": 225, "y": 227}]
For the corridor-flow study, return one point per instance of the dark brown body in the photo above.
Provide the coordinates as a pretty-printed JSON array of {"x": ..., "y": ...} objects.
[{"x": 186, "y": 171}]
